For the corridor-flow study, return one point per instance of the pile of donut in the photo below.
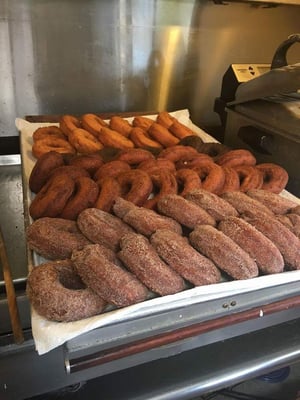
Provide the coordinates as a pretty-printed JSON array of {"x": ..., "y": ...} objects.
[{"x": 119, "y": 225}]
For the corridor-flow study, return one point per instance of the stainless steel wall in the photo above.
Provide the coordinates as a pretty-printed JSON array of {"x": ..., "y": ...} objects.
[{"x": 77, "y": 56}]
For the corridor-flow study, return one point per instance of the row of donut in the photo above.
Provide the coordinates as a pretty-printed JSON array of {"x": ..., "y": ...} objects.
[
  {"x": 134, "y": 253},
  {"x": 90, "y": 133},
  {"x": 136, "y": 175}
]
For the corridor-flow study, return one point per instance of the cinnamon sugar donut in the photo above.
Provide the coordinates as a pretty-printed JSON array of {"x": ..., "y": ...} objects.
[
  {"x": 276, "y": 203},
  {"x": 42, "y": 169},
  {"x": 275, "y": 178},
  {"x": 136, "y": 186},
  {"x": 84, "y": 196},
  {"x": 57, "y": 293},
  {"x": 93, "y": 124},
  {"x": 68, "y": 123},
  {"x": 52, "y": 198},
  {"x": 84, "y": 142},
  {"x": 55, "y": 238}
]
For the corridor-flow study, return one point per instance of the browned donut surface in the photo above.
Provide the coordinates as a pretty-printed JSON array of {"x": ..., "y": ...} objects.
[
  {"x": 176, "y": 251},
  {"x": 236, "y": 157},
  {"x": 140, "y": 257},
  {"x": 57, "y": 293},
  {"x": 250, "y": 177},
  {"x": 224, "y": 252},
  {"x": 276, "y": 203},
  {"x": 275, "y": 178},
  {"x": 110, "y": 281}
]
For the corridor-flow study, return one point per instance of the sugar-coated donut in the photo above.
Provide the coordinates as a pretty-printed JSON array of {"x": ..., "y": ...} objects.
[{"x": 57, "y": 293}]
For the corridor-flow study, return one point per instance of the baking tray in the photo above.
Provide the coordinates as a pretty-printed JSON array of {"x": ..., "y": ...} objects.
[{"x": 49, "y": 335}]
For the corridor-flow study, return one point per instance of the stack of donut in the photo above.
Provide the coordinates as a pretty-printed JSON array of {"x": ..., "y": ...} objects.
[{"x": 154, "y": 218}]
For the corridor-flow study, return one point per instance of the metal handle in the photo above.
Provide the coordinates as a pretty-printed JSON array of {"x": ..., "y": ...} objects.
[{"x": 279, "y": 59}]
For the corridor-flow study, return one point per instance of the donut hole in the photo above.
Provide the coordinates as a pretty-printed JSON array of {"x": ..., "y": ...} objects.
[{"x": 69, "y": 280}]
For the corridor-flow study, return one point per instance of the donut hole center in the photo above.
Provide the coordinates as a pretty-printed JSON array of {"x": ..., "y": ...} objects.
[{"x": 71, "y": 281}]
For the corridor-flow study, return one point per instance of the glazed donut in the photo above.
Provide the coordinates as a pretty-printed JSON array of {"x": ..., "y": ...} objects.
[
  {"x": 108, "y": 280},
  {"x": 90, "y": 162},
  {"x": 144, "y": 220},
  {"x": 224, "y": 252},
  {"x": 136, "y": 186},
  {"x": 109, "y": 191},
  {"x": 275, "y": 178},
  {"x": 165, "y": 119},
  {"x": 178, "y": 153},
  {"x": 111, "y": 138},
  {"x": 185, "y": 212},
  {"x": 193, "y": 161},
  {"x": 142, "y": 122},
  {"x": 162, "y": 135},
  {"x": 57, "y": 293},
  {"x": 250, "y": 177},
  {"x": 102, "y": 227},
  {"x": 84, "y": 196},
  {"x": 42, "y": 169},
  {"x": 135, "y": 156},
  {"x": 176, "y": 251},
  {"x": 111, "y": 169},
  {"x": 192, "y": 141},
  {"x": 48, "y": 131},
  {"x": 55, "y": 238},
  {"x": 214, "y": 150},
  {"x": 141, "y": 139},
  {"x": 236, "y": 157},
  {"x": 50, "y": 143},
  {"x": 155, "y": 166},
  {"x": 93, "y": 124},
  {"x": 84, "y": 142},
  {"x": 187, "y": 180},
  {"x": 267, "y": 256},
  {"x": 73, "y": 171},
  {"x": 212, "y": 176},
  {"x": 217, "y": 207},
  {"x": 120, "y": 125},
  {"x": 140, "y": 257},
  {"x": 164, "y": 183},
  {"x": 232, "y": 180},
  {"x": 180, "y": 130},
  {"x": 52, "y": 198},
  {"x": 276, "y": 203},
  {"x": 68, "y": 123}
]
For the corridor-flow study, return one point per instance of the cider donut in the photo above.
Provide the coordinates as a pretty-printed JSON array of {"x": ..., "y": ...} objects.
[
  {"x": 68, "y": 123},
  {"x": 178, "y": 153},
  {"x": 165, "y": 119},
  {"x": 120, "y": 125},
  {"x": 52, "y": 198},
  {"x": 136, "y": 186},
  {"x": 155, "y": 166},
  {"x": 84, "y": 142},
  {"x": 180, "y": 130},
  {"x": 192, "y": 141},
  {"x": 109, "y": 137},
  {"x": 42, "y": 169},
  {"x": 73, "y": 171},
  {"x": 55, "y": 238},
  {"x": 141, "y": 139},
  {"x": 214, "y": 150},
  {"x": 232, "y": 180},
  {"x": 109, "y": 191},
  {"x": 57, "y": 293},
  {"x": 162, "y": 135},
  {"x": 93, "y": 124},
  {"x": 49, "y": 143},
  {"x": 164, "y": 183},
  {"x": 236, "y": 157},
  {"x": 276, "y": 203},
  {"x": 48, "y": 131},
  {"x": 184, "y": 211},
  {"x": 111, "y": 169},
  {"x": 108, "y": 280},
  {"x": 142, "y": 122},
  {"x": 212, "y": 176},
  {"x": 90, "y": 162},
  {"x": 187, "y": 180},
  {"x": 84, "y": 196},
  {"x": 135, "y": 156},
  {"x": 224, "y": 252},
  {"x": 250, "y": 177},
  {"x": 275, "y": 178},
  {"x": 193, "y": 161}
]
